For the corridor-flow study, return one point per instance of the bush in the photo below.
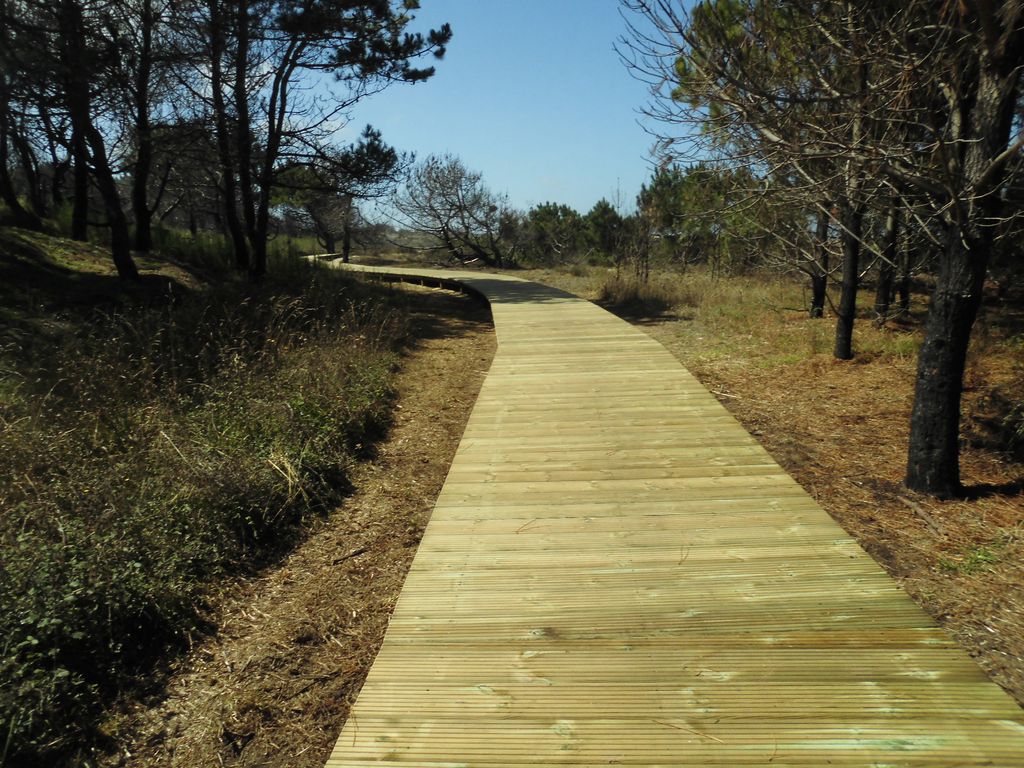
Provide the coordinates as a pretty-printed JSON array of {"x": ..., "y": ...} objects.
[
  {"x": 629, "y": 296},
  {"x": 156, "y": 451}
]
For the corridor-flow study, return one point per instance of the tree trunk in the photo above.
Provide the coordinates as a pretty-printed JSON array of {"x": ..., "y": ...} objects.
[
  {"x": 19, "y": 215},
  {"x": 258, "y": 267},
  {"x": 80, "y": 199},
  {"x": 853, "y": 221},
  {"x": 933, "y": 464},
  {"x": 346, "y": 240},
  {"x": 79, "y": 110},
  {"x": 933, "y": 459},
  {"x": 277, "y": 111},
  {"x": 120, "y": 238},
  {"x": 903, "y": 283},
  {"x": 883, "y": 292},
  {"x": 819, "y": 277},
  {"x": 58, "y": 166},
  {"x": 852, "y": 228},
  {"x": 143, "y": 134},
  {"x": 228, "y": 190},
  {"x": 30, "y": 169},
  {"x": 244, "y": 140},
  {"x": 59, "y": 173}
]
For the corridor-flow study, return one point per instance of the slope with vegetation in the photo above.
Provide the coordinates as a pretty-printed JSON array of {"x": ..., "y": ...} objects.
[{"x": 158, "y": 436}]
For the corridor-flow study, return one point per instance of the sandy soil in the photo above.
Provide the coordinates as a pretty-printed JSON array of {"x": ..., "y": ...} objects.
[{"x": 273, "y": 685}]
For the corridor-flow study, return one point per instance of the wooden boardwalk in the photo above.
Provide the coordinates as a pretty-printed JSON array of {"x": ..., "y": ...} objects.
[{"x": 616, "y": 573}]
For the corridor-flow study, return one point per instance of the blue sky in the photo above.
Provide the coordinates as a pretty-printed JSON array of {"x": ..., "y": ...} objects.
[{"x": 532, "y": 94}]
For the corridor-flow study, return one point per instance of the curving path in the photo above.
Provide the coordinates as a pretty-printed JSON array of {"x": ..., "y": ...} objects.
[{"x": 616, "y": 573}]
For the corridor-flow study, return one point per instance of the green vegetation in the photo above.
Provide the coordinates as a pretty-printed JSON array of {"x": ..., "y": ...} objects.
[
  {"x": 158, "y": 436},
  {"x": 974, "y": 561}
]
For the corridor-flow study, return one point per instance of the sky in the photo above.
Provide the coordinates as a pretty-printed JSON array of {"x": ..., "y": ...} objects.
[{"x": 532, "y": 95}]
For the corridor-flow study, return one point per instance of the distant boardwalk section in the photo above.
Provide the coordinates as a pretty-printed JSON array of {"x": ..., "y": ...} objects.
[{"x": 616, "y": 573}]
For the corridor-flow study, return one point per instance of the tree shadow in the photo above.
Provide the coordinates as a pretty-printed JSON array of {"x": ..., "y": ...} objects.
[{"x": 989, "y": 490}]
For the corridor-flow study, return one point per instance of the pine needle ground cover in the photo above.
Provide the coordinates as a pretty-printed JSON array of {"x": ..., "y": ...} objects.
[{"x": 154, "y": 441}]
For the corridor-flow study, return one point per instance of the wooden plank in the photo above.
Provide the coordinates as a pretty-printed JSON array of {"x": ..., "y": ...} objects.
[{"x": 617, "y": 573}]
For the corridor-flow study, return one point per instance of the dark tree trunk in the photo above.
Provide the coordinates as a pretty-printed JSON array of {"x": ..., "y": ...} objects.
[
  {"x": 30, "y": 170},
  {"x": 933, "y": 459},
  {"x": 59, "y": 166},
  {"x": 229, "y": 188},
  {"x": 60, "y": 172},
  {"x": 79, "y": 110},
  {"x": 120, "y": 238},
  {"x": 819, "y": 289},
  {"x": 244, "y": 140},
  {"x": 19, "y": 215},
  {"x": 852, "y": 226},
  {"x": 277, "y": 110},
  {"x": 258, "y": 267},
  {"x": 143, "y": 134},
  {"x": 853, "y": 221},
  {"x": 346, "y": 241},
  {"x": 819, "y": 277},
  {"x": 903, "y": 282},
  {"x": 933, "y": 464},
  {"x": 329, "y": 242},
  {"x": 80, "y": 199},
  {"x": 883, "y": 292}
]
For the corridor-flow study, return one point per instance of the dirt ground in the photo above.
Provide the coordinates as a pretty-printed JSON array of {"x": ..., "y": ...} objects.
[{"x": 274, "y": 685}]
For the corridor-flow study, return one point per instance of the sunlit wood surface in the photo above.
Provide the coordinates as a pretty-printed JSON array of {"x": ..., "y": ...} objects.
[{"x": 616, "y": 573}]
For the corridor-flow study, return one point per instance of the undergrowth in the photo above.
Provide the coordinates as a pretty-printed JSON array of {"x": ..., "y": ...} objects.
[
  {"x": 157, "y": 448},
  {"x": 629, "y": 296},
  {"x": 761, "y": 316}
]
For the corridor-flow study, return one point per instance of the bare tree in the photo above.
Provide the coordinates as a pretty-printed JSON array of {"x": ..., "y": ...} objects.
[{"x": 445, "y": 200}]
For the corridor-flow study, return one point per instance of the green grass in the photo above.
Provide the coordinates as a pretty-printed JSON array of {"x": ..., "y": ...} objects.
[
  {"x": 974, "y": 561},
  {"x": 157, "y": 438}
]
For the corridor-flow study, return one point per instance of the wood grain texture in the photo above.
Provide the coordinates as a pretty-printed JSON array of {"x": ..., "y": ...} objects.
[{"x": 616, "y": 573}]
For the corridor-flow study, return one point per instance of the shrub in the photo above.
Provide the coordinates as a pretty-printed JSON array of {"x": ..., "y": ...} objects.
[
  {"x": 155, "y": 451},
  {"x": 630, "y": 296}
]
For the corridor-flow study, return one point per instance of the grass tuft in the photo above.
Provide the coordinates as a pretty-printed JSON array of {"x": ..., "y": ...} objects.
[{"x": 629, "y": 296}]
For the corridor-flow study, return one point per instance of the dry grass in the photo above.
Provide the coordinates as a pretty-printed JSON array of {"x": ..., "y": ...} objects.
[
  {"x": 841, "y": 429},
  {"x": 156, "y": 439},
  {"x": 273, "y": 686}
]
